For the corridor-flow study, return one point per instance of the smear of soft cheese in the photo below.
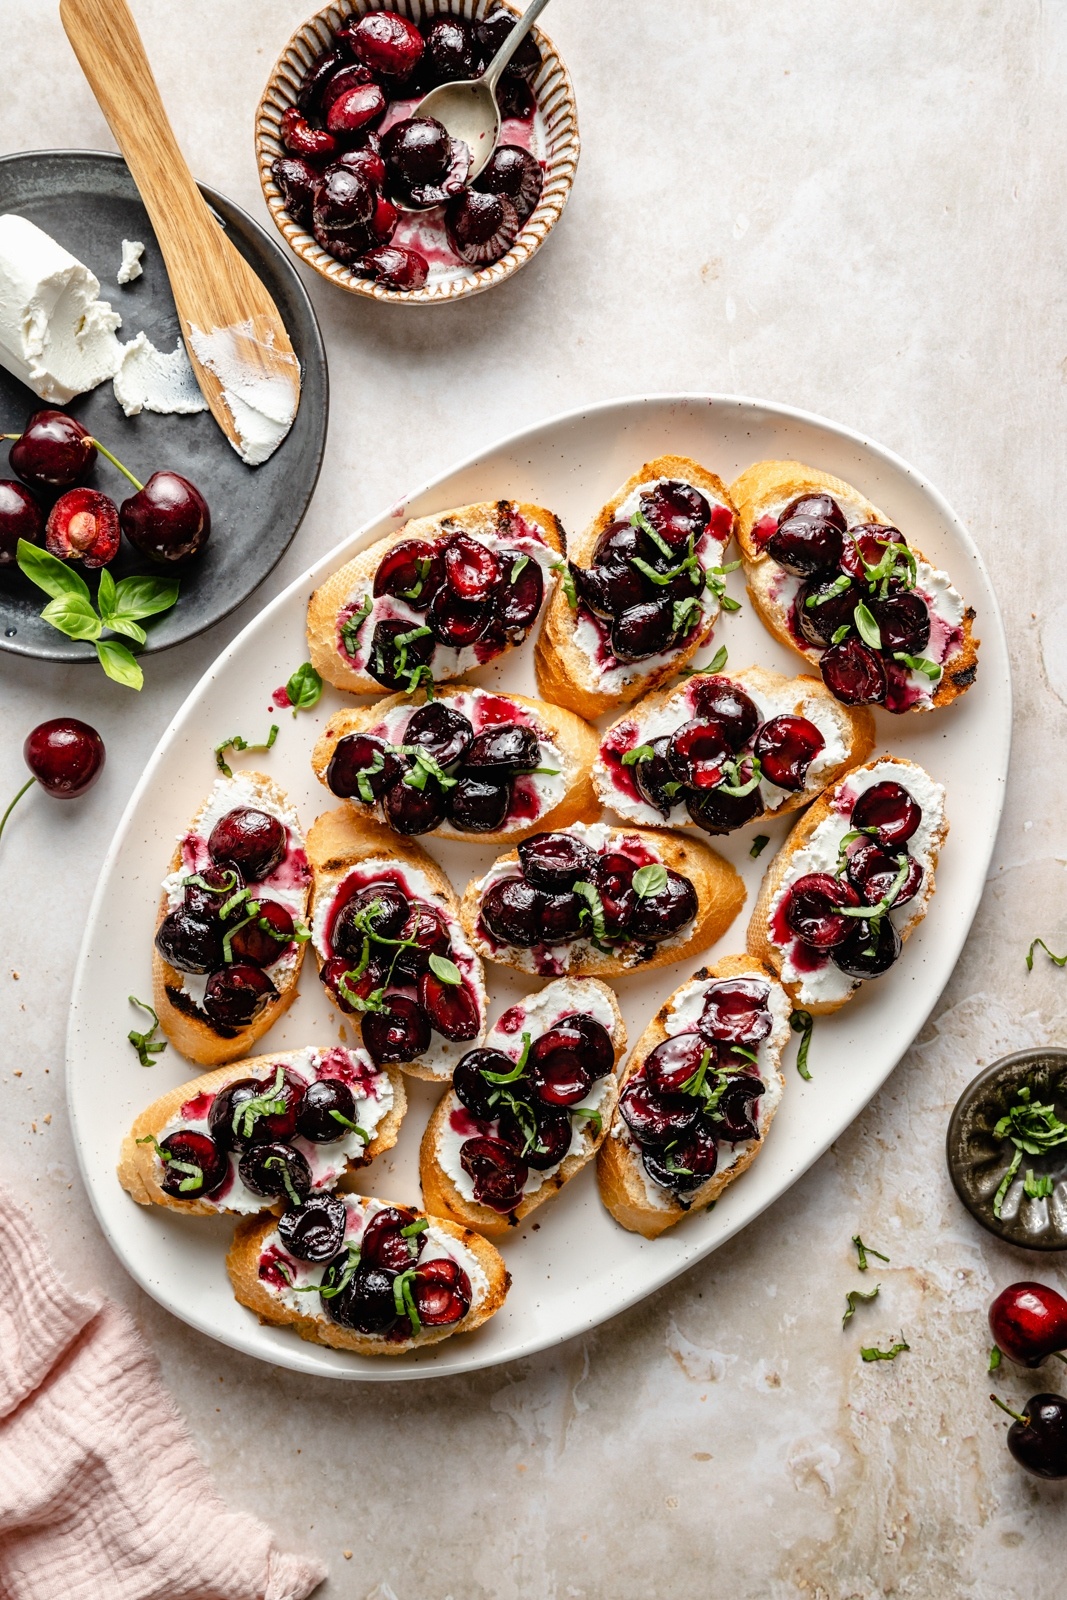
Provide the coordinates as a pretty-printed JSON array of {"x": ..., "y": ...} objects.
[
  {"x": 56, "y": 335},
  {"x": 132, "y": 251},
  {"x": 261, "y": 399},
  {"x": 151, "y": 380}
]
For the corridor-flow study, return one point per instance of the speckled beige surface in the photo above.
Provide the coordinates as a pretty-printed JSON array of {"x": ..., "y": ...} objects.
[{"x": 855, "y": 210}]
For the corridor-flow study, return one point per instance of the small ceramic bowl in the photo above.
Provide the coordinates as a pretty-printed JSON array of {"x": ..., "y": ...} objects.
[
  {"x": 978, "y": 1159},
  {"x": 556, "y": 109}
]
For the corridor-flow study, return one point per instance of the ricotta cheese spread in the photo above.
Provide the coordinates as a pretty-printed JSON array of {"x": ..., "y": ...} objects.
[
  {"x": 56, "y": 334},
  {"x": 130, "y": 267}
]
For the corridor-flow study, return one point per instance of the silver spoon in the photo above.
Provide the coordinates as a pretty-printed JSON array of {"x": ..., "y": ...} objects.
[{"x": 468, "y": 108}]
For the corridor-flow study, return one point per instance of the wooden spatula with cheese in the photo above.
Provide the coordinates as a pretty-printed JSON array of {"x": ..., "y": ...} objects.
[{"x": 237, "y": 343}]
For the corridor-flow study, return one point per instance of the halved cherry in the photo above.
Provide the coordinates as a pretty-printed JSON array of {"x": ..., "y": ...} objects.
[
  {"x": 561, "y": 918},
  {"x": 555, "y": 861},
  {"x": 599, "y": 1052},
  {"x": 675, "y": 1063},
  {"x": 383, "y": 1243},
  {"x": 662, "y": 914},
  {"x": 613, "y": 877},
  {"x": 187, "y": 1149},
  {"x": 735, "y": 1113},
  {"x": 441, "y": 1291},
  {"x": 234, "y": 1128},
  {"x": 410, "y": 811},
  {"x": 890, "y": 810},
  {"x": 854, "y": 673},
  {"x": 823, "y": 608},
  {"x": 717, "y": 812},
  {"x": 903, "y": 622},
  {"x": 867, "y": 541},
  {"x": 619, "y": 543},
  {"x": 473, "y": 1088},
  {"x": 472, "y": 570},
  {"x": 687, "y": 1163},
  {"x": 497, "y": 1173},
  {"x": 805, "y": 545},
  {"x": 429, "y": 934},
  {"x": 456, "y": 622},
  {"x": 383, "y": 907},
  {"x": 820, "y": 506},
  {"x": 413, "y": 570},
  {"x": 558, "y": 1068},
  {"x": 696, "y": 753},
  {"x": 511, "y": 912},
  {"x": 869, "y": 950},
  {"x": 522, "y": 588},
  {"x": 677, "y": 511},
  {"x": 400, "y": 1033},
  {"x": 507, "y": 748},
  {"x": 316, "y": 1230},
  {"x": 873, "y": 870},
  {"x": 235, "y": 996},
  {"x": 276, "y": 1171},
  {"x": 643, "y": 630},
  {"x": 717, "y": 699},
  {"x": 479, "y": 804},
  {"x": 204, "y": 900},
  {"x": 652, "y": 1120},
  {"x": 786, "y": 746},
  {"x": 813, "y": 909},
  {"x": 368, "y": 1304},
  {"x": 451, "y": 1007},
  {"x": 354, "y": 758},
  {"x": 338, "y": 968},
  {"x": 655, "y": 779},
  {"x": 265, "y": 939},
  {"x": 552, "y": 1140},
  {"x": 609, "y": 589},
  {"x": 736, "y": 1011}
]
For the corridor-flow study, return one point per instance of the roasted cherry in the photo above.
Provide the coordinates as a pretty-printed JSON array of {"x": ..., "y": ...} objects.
[
  {"x": 458, "y": 623},
  {"x": 316, "y": 77},
  {"x": 471, "y": 569},
  {"x": 276, "y": 1170},
  {"x": 497, "y": 1173},
  {"x": 555, "y": 861},
  {"x": 20, "y": 518},
  {"x": 1038, "y": 1436},
  {"x": 186, "y": 1149},
  {"x": 354, "y": 758},
  {"x": 1028, "y": 1321},
  {"x": 53, "y": 451},
  {"x": 206, "y": 898},
  {"x": 903, "y": 622},
  {"x": 449, "y": 51},
  {"x": 394, "y": 268},
  {"x": 385, "y": 42},
  {"x": 786, "y": 746},
  {"x": 416, "y": 152},
  {"x": 655, "y": 778},
  {"x": 265, "y": 938},
  {"x": 477, "y": 805},
  {"x": 867, "y": 542},
  {"x": 409, "y": 810},
  {"x": 854, "y": 673},
  {"x": 451, "y": 1007},
  {"x": 491, "y": 32},
  {"x": 440, "y": 730},
  {"x": 337, "y": 971},
  {"x": 400, "y": 1033},
  {"x": 344, "y": 202},
  {"x": 304, "y": 141},
  {"x": 823, "y": 608},
  {"x": 806, "y": 545},
  {"x": 249, "y": 839},
  {"x": 620, "y": 542},
  {"x": 391, "y": 663},
  {"x": 696, "y": 753},
  {"x": 687, "y": 1163},
  {"x": 83, "y": 526},
  {"x": 578, "y": 1047},
  {"x": 735, "y": 1113},
  {"x": 314, "y": 1231},
  {"x": 652, "y": 1120},
  {"x": 663, "y": 913},
  {"x": 550, "y": 1143},
  {"x": 718, "y": 812},
  {"x": 367, "y": 1303},
  {"x": 473, "y": 1089},
  {"x": 889, "y": 810},
  {"x": 382, "y": 907},
  {"x": 677, "y": 511},
  {"x": 65, "y": 756},
  {"x": 235, "y": 996},
  {"x": 514, "y": 172},
  {"x": 522, "y": 588},
  {"x": 189, "y": 943},
  {"x": 609, "y": 589},
  {"x": 672, "y": 1067},
  {"x": 869, "y": 950},
  {"x": 613, "y": 878},
  {"x": 252, "y": 1111},
  {"x": 504, "y": 749},
  {"x": 384, "y": 1243},
  {"x": 736, "y": 1012},
  {"x": 481, "y": 227},
  {"x": 429, "y": 936},
  {"x": 511, "y": 912},
  {"x": 412, "y": 570},
  {"x": 316, "y": 1119},
  {"x": 820, "y": 507},
  {"x": 813, "y": 910},
  {"x": 441, "y": 1291},
  {"x": 643, "y": 630},
  {"x": 873, "y": 870},
  {"x": 562, "y": 917},
  {"x": 719, "y": 700},
  {"x": 168, "y": 519}
]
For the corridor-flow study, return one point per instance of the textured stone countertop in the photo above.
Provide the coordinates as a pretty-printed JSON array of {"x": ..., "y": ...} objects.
[{"x": 858, "y": 210}]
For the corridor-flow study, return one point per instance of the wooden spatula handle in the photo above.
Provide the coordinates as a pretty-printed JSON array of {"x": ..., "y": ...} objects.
[{"x": 108, "y": 46}]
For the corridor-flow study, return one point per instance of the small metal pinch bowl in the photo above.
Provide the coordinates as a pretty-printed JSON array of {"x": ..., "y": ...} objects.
[{"x": 1033, "y": 1205}]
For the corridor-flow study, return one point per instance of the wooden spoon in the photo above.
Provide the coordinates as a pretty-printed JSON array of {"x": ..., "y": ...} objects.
[{"x": 236, "y": 339}]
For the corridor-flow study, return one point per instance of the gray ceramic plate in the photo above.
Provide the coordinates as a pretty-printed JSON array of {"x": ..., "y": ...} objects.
[
  {"x": 87, "y": 200},
  {"x": 978, "y": 1160}
]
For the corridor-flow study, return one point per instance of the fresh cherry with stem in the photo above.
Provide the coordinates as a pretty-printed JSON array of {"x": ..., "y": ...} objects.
[
  {"x": 1037, "y": 1437},
  {"x": 1028, "y": 1321},
  {"x": 65, "y": 757},
  {"x": 167, "y": 519}
]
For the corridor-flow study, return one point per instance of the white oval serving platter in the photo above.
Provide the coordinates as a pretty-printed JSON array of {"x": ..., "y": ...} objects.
[{"x": 572, "y": 1266}]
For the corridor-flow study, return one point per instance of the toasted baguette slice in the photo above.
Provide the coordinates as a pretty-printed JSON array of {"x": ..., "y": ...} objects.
[
  {"x": 813, "y": 847},
  {"x": 568, "y": 653},
  {"x": 177, "y": 994},
  {"x": 848, "y": 734},
  {"x": 719, "y": 890},
  {"x": 501, "y": 524},
  {"x": 634, "y": 1199},
  {"x": 764, "y": 490},
  {"x": 259, "y": 1282},
  {"x": 380, "y": 1102},
  {"x": 339, "y": 845},
  {"x": 446, "y": 1189},
  {"x": 569, "y": 746}
]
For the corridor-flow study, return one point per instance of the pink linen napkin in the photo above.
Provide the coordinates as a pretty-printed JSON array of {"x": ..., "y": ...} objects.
[{"x": 101, "y": 1493}]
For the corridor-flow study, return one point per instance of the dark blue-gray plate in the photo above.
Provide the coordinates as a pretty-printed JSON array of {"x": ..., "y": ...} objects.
[{"x": 88, "y": 201}]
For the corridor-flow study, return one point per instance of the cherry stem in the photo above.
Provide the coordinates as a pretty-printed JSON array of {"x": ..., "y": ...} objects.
[
  {"x": 32, "y": 781},
  {"x": 1060, "y": 1356},
  {"x": 115, "y": 462},
  {"x": 1023, "y": 1417},
  {"x": 10, "y": 436}
]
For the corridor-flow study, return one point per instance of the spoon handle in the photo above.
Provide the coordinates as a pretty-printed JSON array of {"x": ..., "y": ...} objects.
[{"x": 512, "y": 42}]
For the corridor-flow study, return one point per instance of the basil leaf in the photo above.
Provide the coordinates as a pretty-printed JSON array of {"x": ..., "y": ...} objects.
[
  {"x": 1058, "y": 961},
  {"x": 639, "y": 520},
  {"x": 119, "y": 664},
  {"x": 566, "y": 578},
  {"x": 364, "y": 776},
  {"x": 649, "y": 880},
  {"x": 873, "y": 1354},
  {"x": 105, "y": 593},
  {"x": 718, "y": 660},
  {"x": 350, "y": 628},
  {"x": 238, "y": 742},
  {"x": 73, "y": 615},
  {"x": 640, "y": 752},
  {"x": 444, "y": 969},
  {"x": 852, "y": 1300},
  {"x": 523, "y": 561},
  {"x": 863, "y": 1251},
  {"x": 589, "y": 893},
  {"x": 131, "y": 630},
  {"x": 48, "y": 572},
  {"x": 840, "y": 633},
  {"x": 867, "y": 627},
  {"x": 140, "y": 597},
  {"x": 922, "y": 664},
  {"x": 802, "y": 1022},
  {"x": 146, "y": 1044},
  {"x": 759, "y": 844},
  {"x": 682, "y": 615},
  {"x": 304, "y": 688}
]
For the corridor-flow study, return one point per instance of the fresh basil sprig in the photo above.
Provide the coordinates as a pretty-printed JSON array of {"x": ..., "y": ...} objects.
[
  {"x": 304, "y": 688},
  {"x": 239, "y": 743},
  {"x": 867, "y": 627}
]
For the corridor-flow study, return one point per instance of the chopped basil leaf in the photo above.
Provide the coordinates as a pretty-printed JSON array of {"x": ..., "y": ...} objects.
[
  {"x": 239, "y": 743},
  {"x": 864, "y": 1250},
  {"x": 350, "y": 629},
  {"x": 594, "y": 1116},
  {"x": 640, "y": 752},
  {"x": 353, "y": 1127},
  {"x": 718, "y": 660},
  {"x": 517, "y": 1070},
  {"x": 523, "y": 561},
  {"x": 872, "y": 1353},
  {"x": 923, "y": 664},
  {"x": 566, "y": 578},
  {"x": 802, "y": 1022},
  {"x": 365, "y": 774},
  {"x": 1059, "y": 961},
  {"x": 1037, "y": 1188},
  {"x": 639, "y": 520},
  {"x": 146, "y": 1044},
  {"x": 595, "y": 911},
  {"x": 270, "y": 1103},
  {"x": 994, "y": 1358},
  {"x": 839, "y": 586},
  {"x": 853, "y": 1298},
  {"x": 759, "y": 844},
  {"x": 736, "y": 783},
  {"x": 426, "y": 766},
  {"x": 839, "y": 634},
  {"x": 867, "y": 627}
]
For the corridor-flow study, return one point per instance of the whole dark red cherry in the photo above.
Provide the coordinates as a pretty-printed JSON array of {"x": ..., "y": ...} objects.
[
  {"x": 298, "y": 182},
  {"x": 441, "y": 731},
  {"x": 237, "y": 1117},
  {"x": 805, "y": 545},
  {"x": 498, "y": 1174},
  {"x": 394, "y": 267},
  {"x": 643, "y": 630},
  {"x": 385, "y": 42},
  {"x": 655, "y": 779},
  {"x": 507, "y": 748},
  {"x": 458, "y": 623},
  {"x": 1038, "y": 1436},
  {"x": 188, "y": 1148},
  {"x": 609, "y": 588},
  {"x": 491, "y": 32},
  {"x": 819, "y": 507},
  {"x": 889, "y": 809},
  {"x": 736, "y": 1012},
  {"x": 168, "y": 520},
  {"x": 416, "y": 152},
  {"x": 867, "y": 542},
  {"x": 473, "y": 1088},
  {"x": 514, "y": 172},
  {"x": 314, "y": 1231},
  {"x": 813, "y": 909},
  {"x": 717, "y": 812},
  {"x": 478, "y": 805},
  {"x": 696, "y": 752},
  {"x": 869, "y": 950},
  {"x": 384, "y": 1243},
  {"x": 65, "y": 756},
  {"x": 873, "y": 870},
  {"x": 521, "y": 590},
  {"x": 235, "y": 996},
  {"x": 412, "y": 570},
  {"x": 665, "y": 912},
  {"x": 786, "y": 746},
  {"x": 449, "y": 51},
  {"x": 83, "y": 526},
  {"x": 674, "y": 1063},
  {"x": 720, "y": 700},
  {"x": 451, "y": 1007},
  {"x": 687, "y": 1163},
  {"x": 368, "y": 163},
  {"x": 345, "y": 201},
  {"x": 265, "y": 939},
  {"x": 276, "y": 1171},
  {"x": 189, "y": 943},
  {"x": 620, "y": 542},
  {"x": 511, "y": 912},
  {"x": 316, "y": 1120},
  {"x": 677, "y": 511},
  {"x": 384, "y": 908},
  {"x": 53, "y": 451},
  {"x": 555, "y": 861},
  {"x": 1029, "y": 1323},
  {"x": 20, "y": 518},
  {"x": 353, "y": 759},
  {"x": 551, "y": 1141},
  {"x": 249, "y": 839},
  {"x": 562, "y": 918},
  {"x": 854, "y": 673},
  {"x": 823, "y": 608},
  {"x": 903, "y": 622},
  {"x": 481, "y": 227},
  {"x": 652, "y": 1120},
  {"x": 441, "y": 1291},
  {"x": 412, "y": 811},
  {"x": 613, "y": 878},
  {"x": 400, "y": 1033},
  {"x": 390, "y": 663},
  {"x": 429, "y": 936},
  {"x": 316, "y": 78}
]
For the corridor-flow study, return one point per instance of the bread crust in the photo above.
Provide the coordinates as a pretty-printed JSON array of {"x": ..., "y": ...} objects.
[
  {"x": 193, "y": 1036},
  {"x": 137, "y": 1162},
  {"x": 575, "y": 739},
  {"x": 565, "y": 674},
  {"x": 242, "y": 1262},
  {"x": 720, "y": 896},
  {"x": 855, "y": 724},
  {"x": 336, "y": 842},
  {"x": 618, "y": 1166},
  {"x": 767, "y": 482},
  {"x": 331, "y": 597},
  {"x": 439, "y": 1192},
  {"x": 758, "y": 940}
]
